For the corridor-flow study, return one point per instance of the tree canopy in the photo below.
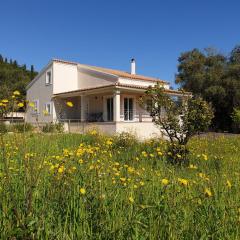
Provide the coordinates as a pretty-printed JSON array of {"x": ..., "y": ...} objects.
[
  {"x": 216, "y": 78},
  {"x": 14, "y": 77}
]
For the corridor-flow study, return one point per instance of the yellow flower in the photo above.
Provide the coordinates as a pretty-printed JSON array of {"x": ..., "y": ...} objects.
[
  {"x": 82, "y": 191},
  {"x": 192, "y": 166},
  {"x": 45, "y": 112},
  {"x": 207, "y": 192},
  {"x": 142, "y": 183},
  {"x": 229, "y": 184},
  {"x": 93, "y": 132},
  {"x": 20, "y": 105},
  {"x": 205, "y": 157},
  {"x": 16, "y": 93},
  {"x": 131, "y": 199},
  {"x": 130, "y": 169},
  {"x": 183, "y": 181},
  {"x": 165, "y": 181},
  {"x": 69, "y": 104},
  {"x": 5, "y": 101},
  {"x": 123, "y": 179},
  {"x": 61, "y": 169},
  {"x": 31, "y": 104},
  {"x": 109, "y": 142}
]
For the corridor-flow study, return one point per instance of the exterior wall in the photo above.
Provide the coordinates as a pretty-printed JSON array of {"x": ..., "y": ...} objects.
[
  {"x": 65, "y": 77},
  {"x": 88, "y": 78},
  {"x": 80, "y": 127},
  {"x": 142, "y": 130},
  {"x": 43, "y": 93}
]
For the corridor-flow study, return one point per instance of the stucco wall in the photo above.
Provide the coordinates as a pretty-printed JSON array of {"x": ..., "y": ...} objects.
[
  {"x": 65, "y": 77},
  {"x": 88, "y": 78},
  {"x": 142, "y": 130},
  {"x": 79, "y": 127},
  {"x": 43, "y": 93}
]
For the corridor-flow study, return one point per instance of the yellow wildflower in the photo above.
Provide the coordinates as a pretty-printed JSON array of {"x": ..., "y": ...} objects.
[
  {"x": 208, "y": 192},
  {"x": 61, "y": 169},
  {"x": 31, "y": 104},
  {"x": 229, "y": 184},
  {"x": 82, "y": 191},
  {"x": 5, "y": 101},
  {"x": 69, "y": 104},
  {"x": 131, "y": 199},
  {"x": 142, "y": 183},
  {"x": 165, "y": 181},
  {"x": 17, "y": 93},
  {"x": 192, "y": 166},
  {"x": 20, "y": 105},
  {"x": 183, "y": 181}
]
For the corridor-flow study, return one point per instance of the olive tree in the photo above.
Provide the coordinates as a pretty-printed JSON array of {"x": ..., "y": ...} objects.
[{"x": 179, "y": 118}]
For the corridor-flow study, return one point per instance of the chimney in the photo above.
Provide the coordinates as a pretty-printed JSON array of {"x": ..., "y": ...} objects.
[{"x": 133, "y": 66}]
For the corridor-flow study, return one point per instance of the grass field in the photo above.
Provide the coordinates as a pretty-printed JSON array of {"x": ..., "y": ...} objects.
[{"x": 94, "y": 187}]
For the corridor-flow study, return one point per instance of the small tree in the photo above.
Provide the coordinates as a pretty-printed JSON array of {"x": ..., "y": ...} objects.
[{"x": 178, "y": 118}]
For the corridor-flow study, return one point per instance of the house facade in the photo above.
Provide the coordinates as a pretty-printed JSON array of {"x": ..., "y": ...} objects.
[{"x": 102, "y": 98}]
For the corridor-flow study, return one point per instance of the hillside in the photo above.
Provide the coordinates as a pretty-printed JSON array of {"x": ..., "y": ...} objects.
[{"x": 14, "y": 76}]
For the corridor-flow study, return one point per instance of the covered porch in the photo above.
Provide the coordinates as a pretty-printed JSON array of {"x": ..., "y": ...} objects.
[{"x": 109, "y": 105}]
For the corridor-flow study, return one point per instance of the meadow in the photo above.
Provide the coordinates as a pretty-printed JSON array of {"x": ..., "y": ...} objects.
[{"x": 71, "y": 186}]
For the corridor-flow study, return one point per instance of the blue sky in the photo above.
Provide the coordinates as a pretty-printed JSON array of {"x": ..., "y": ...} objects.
[{"x": 109, "y": 33}]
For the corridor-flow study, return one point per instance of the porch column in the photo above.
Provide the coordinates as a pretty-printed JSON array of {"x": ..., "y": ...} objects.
[
  {"x": 83, "y": 108},
  {"x": 116, "y": 106}
]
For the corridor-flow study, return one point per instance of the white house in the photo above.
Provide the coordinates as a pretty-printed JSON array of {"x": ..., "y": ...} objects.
[{"x": 102, "y": 98}]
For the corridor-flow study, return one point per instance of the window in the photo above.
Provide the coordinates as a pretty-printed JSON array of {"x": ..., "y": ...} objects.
[
  {"x": 128, "y": 109},
  {"x": 35, "y": 107},
  {"x": 48, "y": 108},
  {"x": 49, "y": 78}
]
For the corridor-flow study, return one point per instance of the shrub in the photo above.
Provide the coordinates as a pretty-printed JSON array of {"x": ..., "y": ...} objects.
[
  {"x": 3, "y": 128},
  {"x": 53, "y": 127},
  {"x": 124, "y": 140}
]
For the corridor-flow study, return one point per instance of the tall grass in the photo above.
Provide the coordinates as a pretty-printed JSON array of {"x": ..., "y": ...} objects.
[{"x": 94, "y": 187}]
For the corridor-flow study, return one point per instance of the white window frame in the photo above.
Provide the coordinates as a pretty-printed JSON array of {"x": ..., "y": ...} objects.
[
  {"x": 133, "y": 108},
  {"x": 35, "y": 109},
  {"x": 50, "y": 108},
  {"x": 47, "y": 80}
]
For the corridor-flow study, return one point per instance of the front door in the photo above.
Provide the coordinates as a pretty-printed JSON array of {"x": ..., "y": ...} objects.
[
  {"x": 110, "y": 109},
  {"x": 128, "y": 109}
]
